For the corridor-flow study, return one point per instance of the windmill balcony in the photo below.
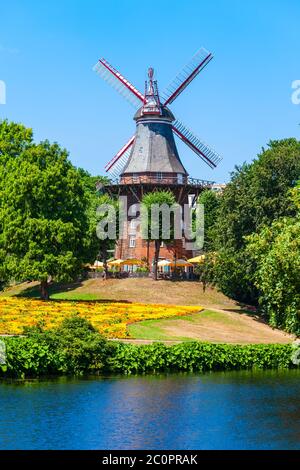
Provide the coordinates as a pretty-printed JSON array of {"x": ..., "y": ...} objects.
[{"x": 161, "y": 179}]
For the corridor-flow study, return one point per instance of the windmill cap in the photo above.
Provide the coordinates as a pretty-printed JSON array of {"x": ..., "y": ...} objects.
[{"x": 165, "y": 114}]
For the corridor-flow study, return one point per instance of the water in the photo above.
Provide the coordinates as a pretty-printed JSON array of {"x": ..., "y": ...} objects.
[{"x": 240, "y": 410}]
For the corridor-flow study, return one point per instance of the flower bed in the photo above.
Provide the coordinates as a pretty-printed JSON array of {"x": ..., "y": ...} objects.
[{"x": 109, "y": 318}]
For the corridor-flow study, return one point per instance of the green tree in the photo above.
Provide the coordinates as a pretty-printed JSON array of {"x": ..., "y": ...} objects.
[
  {"x": 96, "y": 197},
  {"x": 43, "y": 215},
  {"x": 211, "y": 202},
  {"x": 103, "y": 246},
  {"x": 275, "y": 250},
  {"x": 14, "y": 139},
  {"x": 256, "y": 196},
  {"x": 151, "y": 225}
]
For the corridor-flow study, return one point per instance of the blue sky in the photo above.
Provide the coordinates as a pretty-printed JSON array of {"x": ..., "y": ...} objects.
[{"x": 237, "y": 104}]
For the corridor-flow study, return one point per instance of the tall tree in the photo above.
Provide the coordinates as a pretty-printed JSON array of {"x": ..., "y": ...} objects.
[
  {"x": 102, "y": 246},
  {"x": 211, "y": 202},
  {"x": 44, "y": 223},
  {"x": 96, "y": 198},
  {"x": 152, "y": 225},
  {"x": 256, "y": 196},
  {"x": 258, "y": 192},
  {"x": 276, "y": 252},
  {"x": 14, "y": 139}
]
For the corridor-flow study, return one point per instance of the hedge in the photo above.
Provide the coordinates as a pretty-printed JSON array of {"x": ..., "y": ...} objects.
[{"x": 45, "y": 355}]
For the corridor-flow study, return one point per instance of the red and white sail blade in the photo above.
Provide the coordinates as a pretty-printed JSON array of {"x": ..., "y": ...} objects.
[
  {"x": 120, "y": 83},
  {"x": 203, "y": 151},
  {"x": 189, "y": 72},
  {"x": 116, "y": 165}
]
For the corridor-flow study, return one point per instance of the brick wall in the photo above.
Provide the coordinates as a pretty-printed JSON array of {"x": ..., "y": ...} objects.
[{"x": 142, "y": 249}]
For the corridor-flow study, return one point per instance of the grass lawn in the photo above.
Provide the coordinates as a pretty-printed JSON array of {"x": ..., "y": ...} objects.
[
  {"x": 142, "y": 290},
  {"x": 209, "y": 325},
  {"x": 221, "y": 320},
  {"x": 74, "y": 296}
]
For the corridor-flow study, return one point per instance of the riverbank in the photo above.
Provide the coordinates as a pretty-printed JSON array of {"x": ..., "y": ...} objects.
[
  {"x": 76, "y": 348},
  {"x": 25, "y": 361}
]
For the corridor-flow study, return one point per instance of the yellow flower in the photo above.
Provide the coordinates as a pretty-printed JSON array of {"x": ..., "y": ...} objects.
[{"x": 110, "y": 319}]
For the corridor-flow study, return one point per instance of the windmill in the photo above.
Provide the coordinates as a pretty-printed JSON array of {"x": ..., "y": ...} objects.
[
  {"x": 149, "y": 161},
  {"x": 155, "y": 110}
]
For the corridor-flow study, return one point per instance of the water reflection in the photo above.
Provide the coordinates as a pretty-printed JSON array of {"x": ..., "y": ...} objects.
[{"x": 241, "y": 410}]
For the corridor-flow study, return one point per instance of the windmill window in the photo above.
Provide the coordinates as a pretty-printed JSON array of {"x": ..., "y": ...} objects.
[
  {"x": 179, "y": 178},
  {"x": 132, "y": 226},
  {"x": 159, "y": 175},
  {"x": 132, "y": 242}
]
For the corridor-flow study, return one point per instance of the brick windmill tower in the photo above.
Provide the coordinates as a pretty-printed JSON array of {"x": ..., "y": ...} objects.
[{"x": 149, "y": 161}]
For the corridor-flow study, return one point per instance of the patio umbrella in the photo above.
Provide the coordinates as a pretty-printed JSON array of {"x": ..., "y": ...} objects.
[
  {"x": 180, "y": 263},
  {"x": 115, "y": 262},
  {"x": 163, "y": 263},
  {"x": 197, "y": 259},
  {"x": 132, "y": 262},
  {"x": 98, "y": 264}
]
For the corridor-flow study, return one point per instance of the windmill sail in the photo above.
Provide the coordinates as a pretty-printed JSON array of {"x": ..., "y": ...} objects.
[
  {"x": 189, "y": 72},
  {"x": 115, "y": 166},
  {"x": 154, "y": 110},
  {"x": 119, "y": 83},
  {"x": 201, "y": 149}
]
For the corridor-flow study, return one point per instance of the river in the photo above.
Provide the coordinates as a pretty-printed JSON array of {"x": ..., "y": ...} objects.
[{"x": 236, "y": 410}]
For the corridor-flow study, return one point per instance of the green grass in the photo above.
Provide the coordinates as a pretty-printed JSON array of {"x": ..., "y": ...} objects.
[
  {"x": 57, "y": 291},
  {"x": 154, "y": 329},
  {"x": 74, "y": 296},
  {"x": 215, "y": 316}
]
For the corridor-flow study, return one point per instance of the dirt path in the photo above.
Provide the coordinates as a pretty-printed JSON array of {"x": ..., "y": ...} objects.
[{"x": 218, "y": 326}]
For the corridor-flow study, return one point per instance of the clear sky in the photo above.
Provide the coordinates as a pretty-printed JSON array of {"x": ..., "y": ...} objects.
[{"x": 237, "y": 104}]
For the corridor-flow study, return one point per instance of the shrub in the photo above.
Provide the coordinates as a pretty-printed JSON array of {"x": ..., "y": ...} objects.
[
  {"x": 74, "y": 347},
  {"x": 196, "y": 356},
  {"x": 27, "y": 357},
  {"x": 142, "y": 269}
]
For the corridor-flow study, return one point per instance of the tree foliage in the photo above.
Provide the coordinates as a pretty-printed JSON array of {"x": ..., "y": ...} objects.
[
  {"x": 276, "y": 253},
  {"x": 74, "y": 347},
  {"x": 211, "y": 202},
  {"x": 14, "y": 139},
  {"x": 257, "y": 194},
  {"x": 150, "y": 225},
  {"x": 96, "y": 217},
  {"x": 44, "y": 222}
]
